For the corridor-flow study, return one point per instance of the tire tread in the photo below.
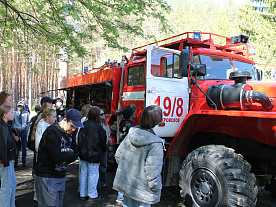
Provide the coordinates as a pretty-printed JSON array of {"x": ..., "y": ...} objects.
[{"x": 242, "y": 190}]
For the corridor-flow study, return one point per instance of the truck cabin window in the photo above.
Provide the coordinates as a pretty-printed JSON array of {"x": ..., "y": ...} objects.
[
  {"x": 165, "y": 64},
  {"x": 241, "y": 65},
  {"x": 136, "y": 75},
  {"x": 220, "y": 67}
]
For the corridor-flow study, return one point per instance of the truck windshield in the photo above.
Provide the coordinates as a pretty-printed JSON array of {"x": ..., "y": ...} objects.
[
  {"x": 220, "y": 67},
  {"x": 217, "y": 67}
]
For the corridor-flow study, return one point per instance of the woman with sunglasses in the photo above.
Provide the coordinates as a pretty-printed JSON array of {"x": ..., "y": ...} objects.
[{"x": 103, "y": 164}]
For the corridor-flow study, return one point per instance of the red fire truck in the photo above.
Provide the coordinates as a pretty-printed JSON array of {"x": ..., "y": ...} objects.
[{"x": 219, "y": 122}]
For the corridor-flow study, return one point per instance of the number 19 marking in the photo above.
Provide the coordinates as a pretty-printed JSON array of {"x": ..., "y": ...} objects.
[{"x": 167, "y": 105}]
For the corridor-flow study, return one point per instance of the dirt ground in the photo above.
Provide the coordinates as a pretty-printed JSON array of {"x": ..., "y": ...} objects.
[{"x": 170, "y": 195}]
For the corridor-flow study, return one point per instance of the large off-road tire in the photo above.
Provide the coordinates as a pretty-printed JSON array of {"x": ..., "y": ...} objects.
[{"x": 215, "y": 175}]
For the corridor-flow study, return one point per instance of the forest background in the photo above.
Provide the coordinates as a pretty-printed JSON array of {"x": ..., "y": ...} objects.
[{"x": 38, "y": 38}]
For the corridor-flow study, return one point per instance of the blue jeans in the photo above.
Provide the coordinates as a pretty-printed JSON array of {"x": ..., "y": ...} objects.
[
  {"x": 89, "y": 176},
  {"x": 120, "y": 196},
  {"x": 129, "y": 202},
  {"x": 23, "y": 136},
  {"x": 50, "y": 191},
  {"x": 8, "y": 185},
  {"x": 102, "y": 170}
]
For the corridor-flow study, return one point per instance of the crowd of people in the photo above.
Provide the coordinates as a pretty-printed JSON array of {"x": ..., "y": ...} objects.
[{"x": 60, "y": 136}]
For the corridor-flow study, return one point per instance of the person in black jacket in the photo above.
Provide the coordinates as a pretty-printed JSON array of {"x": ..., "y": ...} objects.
[
  {"x": 92, "y": 144},
  {"x": 37, "y": 110},
  {"x": 128, "y": 114},
  {"x": 56, "y": 150},
  {"x": 7, "y": 154},
  {"x": 60, "y": 109}
]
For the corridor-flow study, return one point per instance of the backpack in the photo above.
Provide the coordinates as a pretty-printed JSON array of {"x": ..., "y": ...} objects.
[
  {"x": 31, "y": 141},
  {"x": 124, "y": 128}
]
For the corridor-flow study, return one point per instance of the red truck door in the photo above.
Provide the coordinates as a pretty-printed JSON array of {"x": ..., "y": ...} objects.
[{"x": 134, "y": 88}]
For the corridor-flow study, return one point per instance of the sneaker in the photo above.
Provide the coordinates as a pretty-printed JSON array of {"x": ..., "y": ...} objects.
[
  {"x": 35, "y": 197},
  {"x": 100, "y": 186},
  {"x": 93, "y": 199},
  {"x": 119, "y": 203},
  {"x": 83, "y": 198}
]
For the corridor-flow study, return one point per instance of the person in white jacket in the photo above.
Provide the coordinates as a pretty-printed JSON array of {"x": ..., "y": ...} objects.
[{"x": 44, "y": 120}]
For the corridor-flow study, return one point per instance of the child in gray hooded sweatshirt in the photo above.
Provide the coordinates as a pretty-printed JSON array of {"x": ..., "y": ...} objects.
[{"x": 140, "y": 160}]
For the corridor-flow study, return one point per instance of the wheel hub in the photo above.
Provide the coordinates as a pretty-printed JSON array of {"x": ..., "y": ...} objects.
[{"x": 205, "y": 188}]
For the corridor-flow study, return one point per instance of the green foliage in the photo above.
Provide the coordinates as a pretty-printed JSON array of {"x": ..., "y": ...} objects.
[
  {"x": 205, "y": 16},
  {"x": 261, "y": 28},
  {"x": 93, "y": 31},
  {"x": 66, "y": 23},
  {"x": 185, "y": 16}
]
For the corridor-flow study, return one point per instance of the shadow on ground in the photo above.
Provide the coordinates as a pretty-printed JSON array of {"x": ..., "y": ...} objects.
[{"x": 170, "y": 195}]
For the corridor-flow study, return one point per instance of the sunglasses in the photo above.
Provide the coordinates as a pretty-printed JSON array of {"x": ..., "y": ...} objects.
[{"x": 101, "y": 114}]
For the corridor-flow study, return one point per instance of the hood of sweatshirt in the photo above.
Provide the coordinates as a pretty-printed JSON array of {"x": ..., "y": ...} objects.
[
  {"x": 21, "y": 103},
  {"x": 43, "y": 124},
  {"x": 139, "y": 137}
]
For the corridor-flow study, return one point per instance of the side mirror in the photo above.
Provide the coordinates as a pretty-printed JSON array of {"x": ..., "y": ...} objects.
[
  {"x": 199, "y": 70},
  {"x": 184, "y": 62},
  {"x": 259, "y": 74}
]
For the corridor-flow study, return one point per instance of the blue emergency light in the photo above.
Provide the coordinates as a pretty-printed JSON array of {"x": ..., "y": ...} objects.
[
  {"x": 197, "y": 36},
  {"x": 251, "y": 50}
]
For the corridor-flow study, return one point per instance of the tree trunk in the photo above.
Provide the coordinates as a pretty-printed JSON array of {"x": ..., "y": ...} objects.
[
  {"x": 11, "y": 78},
  {"x": 15, "y": 75},
  {"x": 63, "y": 72},
  {"x": 30, "y": 79},
  {"x": 3, "y": 72}
]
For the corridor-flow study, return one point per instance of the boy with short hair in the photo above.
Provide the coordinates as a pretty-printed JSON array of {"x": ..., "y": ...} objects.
[
  {"x": 57, "y": 149},
  {"x": 60, "y": 109}
]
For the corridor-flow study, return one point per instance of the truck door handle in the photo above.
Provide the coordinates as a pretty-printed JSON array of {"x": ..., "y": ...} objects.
[{"x": 153, "y": 91}]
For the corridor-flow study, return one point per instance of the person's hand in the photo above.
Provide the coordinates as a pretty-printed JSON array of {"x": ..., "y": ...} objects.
[{"x": 16, "y": 138}]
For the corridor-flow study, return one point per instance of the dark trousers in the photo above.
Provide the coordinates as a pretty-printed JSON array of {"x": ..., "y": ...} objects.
[
  {"x": 23, "y": 145},
  {"x": 102, "y": 170}
]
